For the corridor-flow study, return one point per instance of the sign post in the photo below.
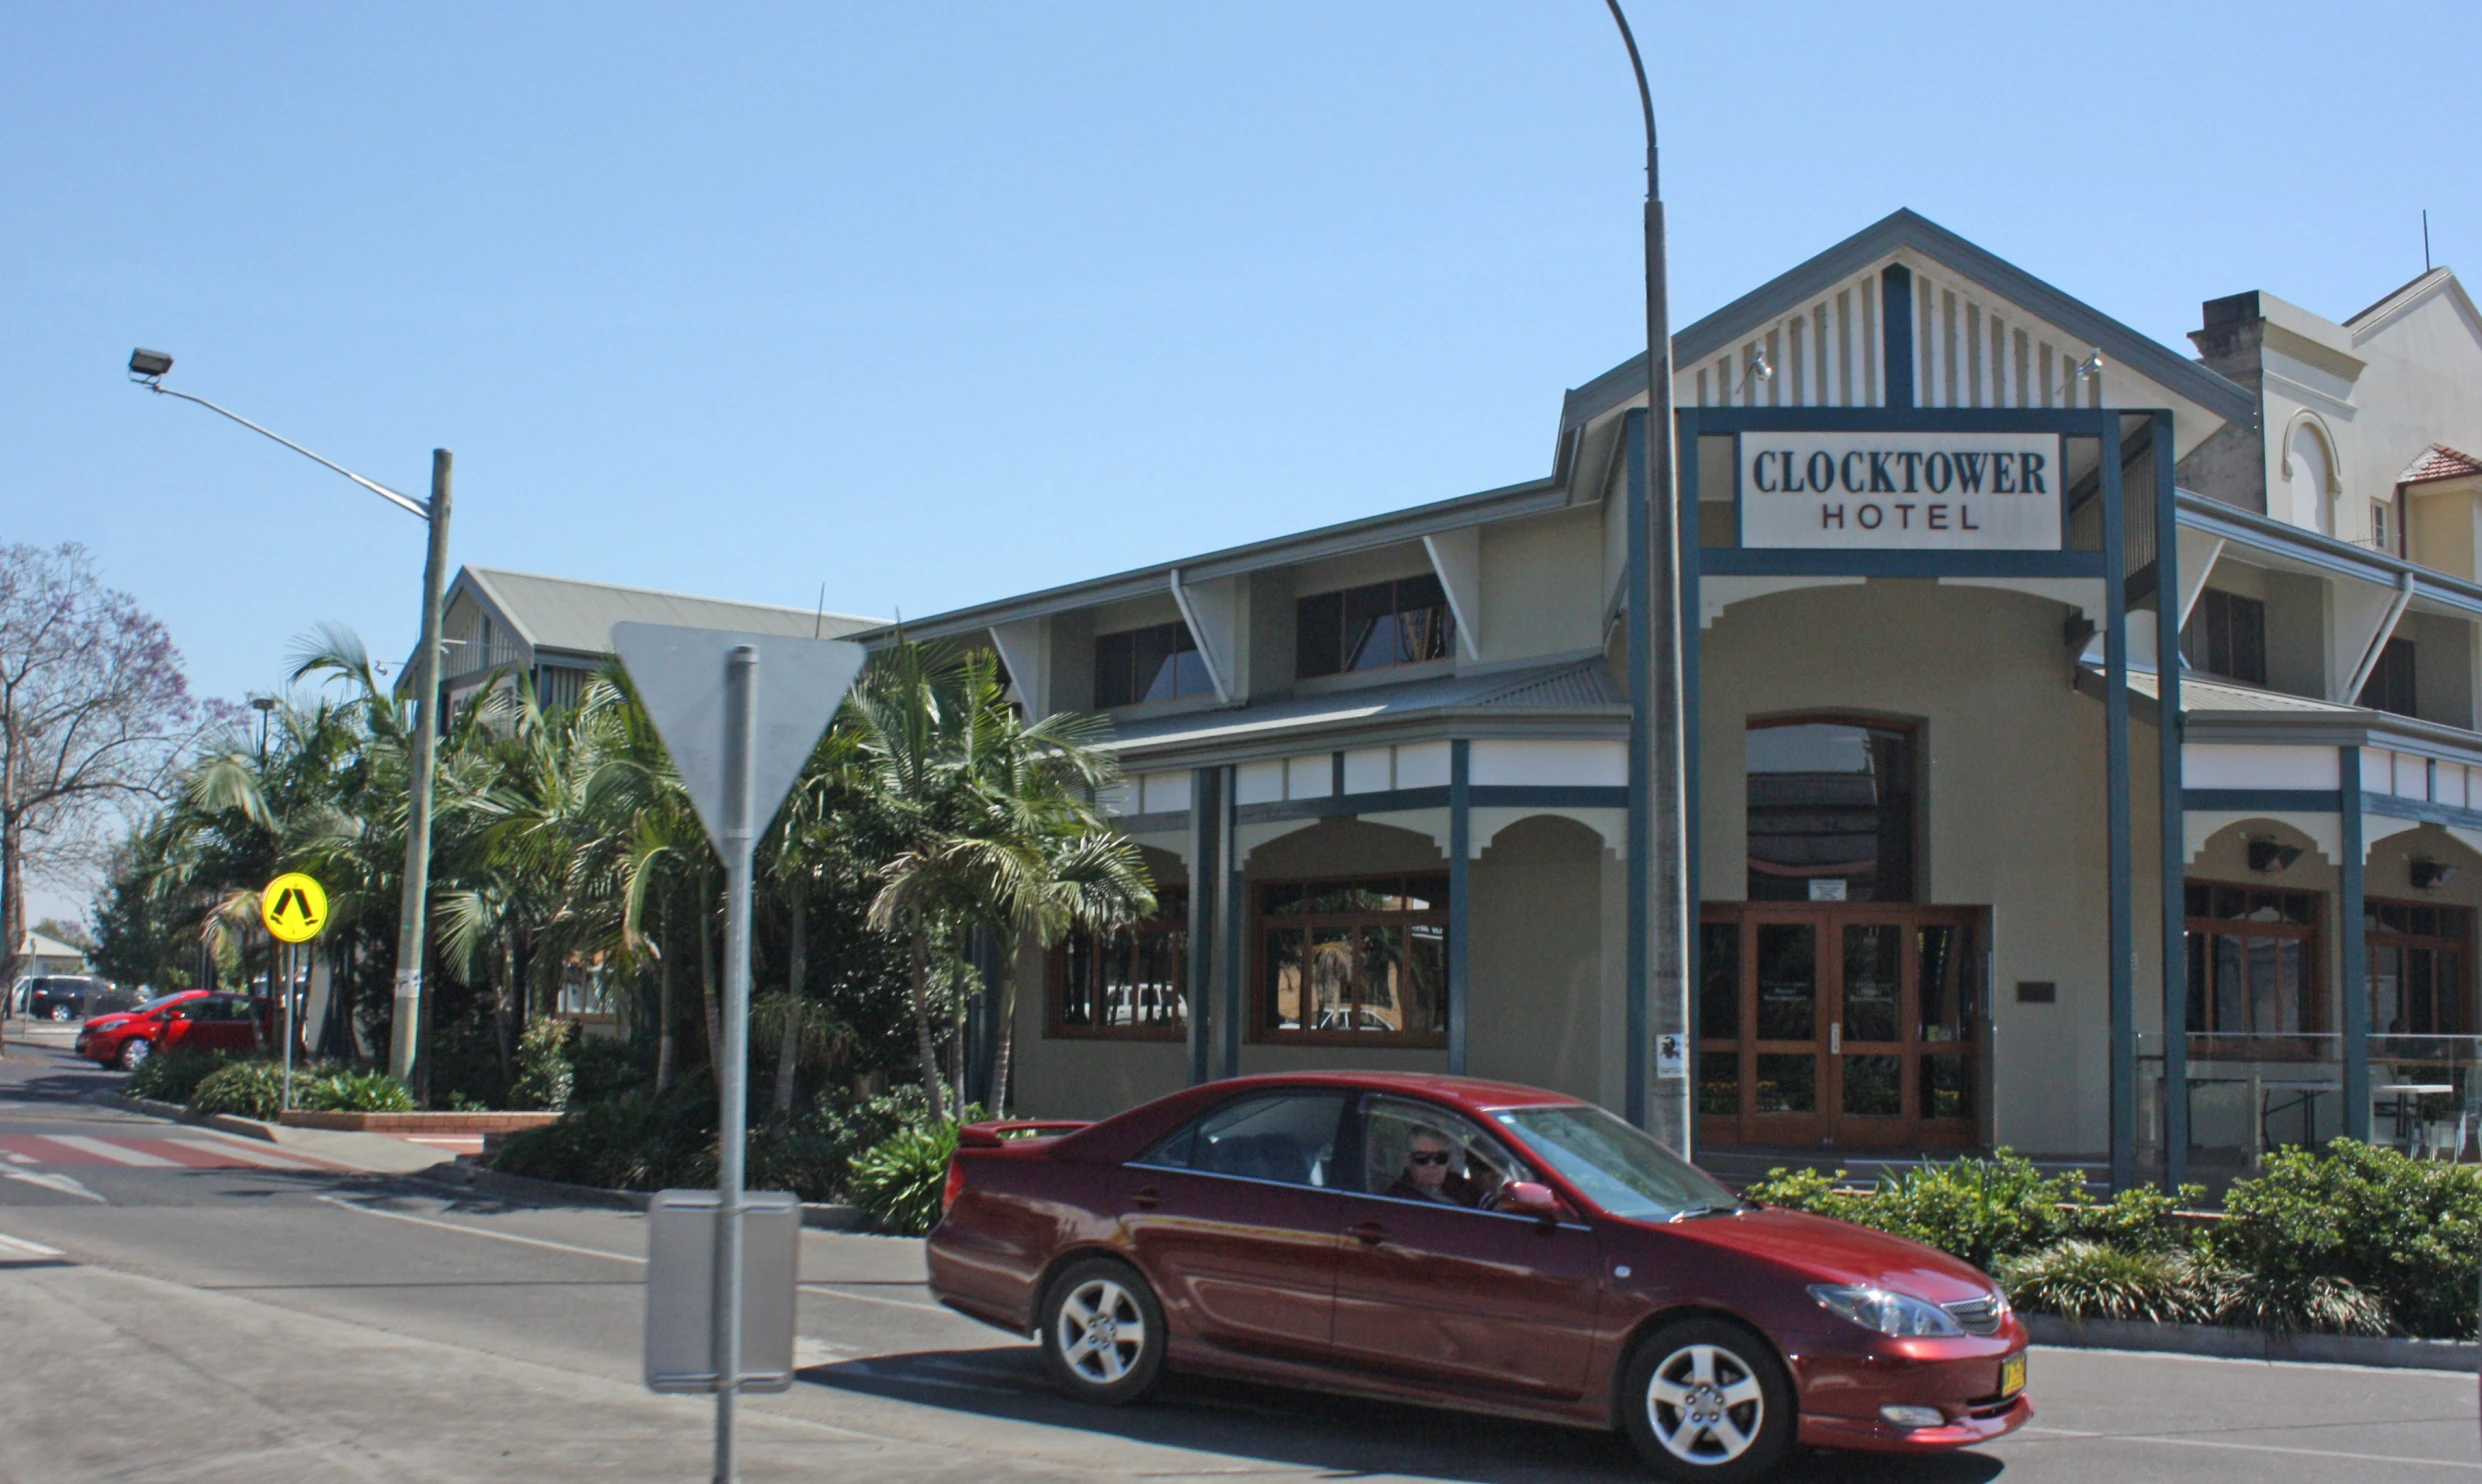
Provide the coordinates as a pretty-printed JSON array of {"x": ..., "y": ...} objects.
[
  {"x": 293, "y": 908},
  {"x": 736, "y": 774}
]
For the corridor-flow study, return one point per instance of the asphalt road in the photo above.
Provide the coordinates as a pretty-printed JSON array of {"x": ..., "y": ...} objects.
[{"x": 172, "y": 1308}]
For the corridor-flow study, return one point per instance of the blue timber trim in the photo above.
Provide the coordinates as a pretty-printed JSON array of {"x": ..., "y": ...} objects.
[
  {"x": 1480, "y": 796},
  {"x": 2356, "y": 987},
  {"x": 1204, "y": 815},
  {"x": 1460, "y": 895},
  {"x": 1896, "y": 334},
  {"x": 1693, "y": 717},
  {"x": 1641, "y": 871},
  {"x": 2174, "y": 841},
  {"x": 2263, "y": 800},
  {"x": 1764, "y": 561},
  {"x": 1229, "y": 923},
  {"x": 2123, "y": 935}
]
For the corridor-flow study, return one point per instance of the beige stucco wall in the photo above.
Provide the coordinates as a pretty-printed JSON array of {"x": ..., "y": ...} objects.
[
  {"x": 1532, "y": 601},
  {"x": 2012, "y": 761}
]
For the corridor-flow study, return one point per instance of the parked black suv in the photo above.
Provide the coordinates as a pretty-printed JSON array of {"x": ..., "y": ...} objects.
[{"x": 73, "y": 997}]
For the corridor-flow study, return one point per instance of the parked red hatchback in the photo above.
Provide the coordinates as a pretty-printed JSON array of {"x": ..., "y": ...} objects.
[
  {"x": 193, "y": 1017},
  {"x": 1480, "y": 1245}
]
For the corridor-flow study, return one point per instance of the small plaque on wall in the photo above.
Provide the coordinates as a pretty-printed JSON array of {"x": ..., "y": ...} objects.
[
  {"x": 2037, "y": 992},
  {"x": 1827, "y": 889}
]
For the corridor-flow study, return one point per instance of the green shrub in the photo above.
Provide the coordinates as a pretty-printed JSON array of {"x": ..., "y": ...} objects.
[
  {"x": 2404, "y": 1232},
  {"x": 171, "y": 1076},
  {"x": 544, "y": 1076},
  {"x": 251, "y": 1089},
  {"x": 1979, "y": 1209},
  {"x": 353, "y": 1092},
  {"x": 899, "y": 1180},
  {"x": 2329, "y": 1304},
  {"x": 634, "y": 1142},
  {"x": 2081, "y": 1279},
  {"x": 602, "y": 1068}
]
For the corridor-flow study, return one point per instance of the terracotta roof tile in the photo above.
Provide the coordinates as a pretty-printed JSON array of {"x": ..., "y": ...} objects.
[{"x": 2440, "y": 462}]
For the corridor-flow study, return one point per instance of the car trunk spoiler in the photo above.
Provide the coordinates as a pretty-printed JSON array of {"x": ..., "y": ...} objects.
[{"x": 992, "y": 1135}]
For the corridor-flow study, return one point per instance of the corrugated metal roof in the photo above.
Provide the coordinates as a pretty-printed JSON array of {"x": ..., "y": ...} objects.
[
  {"x": 569, "y": 614},
  {"x": 2203, "y": 693},
  {"x": 1573, "y": 685}
]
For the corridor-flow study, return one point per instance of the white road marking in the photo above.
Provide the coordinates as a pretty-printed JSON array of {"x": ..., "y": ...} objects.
[
  {"x": 476, "y": 1231},
  {"x": 236, "y": 1149},
  {"x": 10, "y": 1244},
  {"x": 2109, "y": 1437},
  {"x": 119, "y": 1154},
  {"x": 50, "y": 1181}
]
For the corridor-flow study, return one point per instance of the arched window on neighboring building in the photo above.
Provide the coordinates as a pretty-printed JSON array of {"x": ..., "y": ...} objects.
[{"x": 2309, "y": 471}]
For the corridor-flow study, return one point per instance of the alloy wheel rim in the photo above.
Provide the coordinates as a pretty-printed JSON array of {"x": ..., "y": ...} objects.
[
  {"x": 1705, "y": 1405},
  {"x": 138, "y": 1052},
  {"x": 1101, "y": 1332}
]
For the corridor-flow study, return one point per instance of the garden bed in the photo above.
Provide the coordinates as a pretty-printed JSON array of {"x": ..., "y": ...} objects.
[{"x": 420, "y": 1123}]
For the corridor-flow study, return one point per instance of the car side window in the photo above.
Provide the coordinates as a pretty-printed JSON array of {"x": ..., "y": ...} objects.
[
  {"x": 1286, "y": 1137},
  {"x": 1414, "y": 1151}
]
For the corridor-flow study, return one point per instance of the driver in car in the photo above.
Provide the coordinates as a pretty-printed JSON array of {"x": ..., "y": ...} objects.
[{"x": 1429, "y": 1176}]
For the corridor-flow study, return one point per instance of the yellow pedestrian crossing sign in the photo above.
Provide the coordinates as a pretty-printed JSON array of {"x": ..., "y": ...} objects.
[{"x": 293, "y": 907}]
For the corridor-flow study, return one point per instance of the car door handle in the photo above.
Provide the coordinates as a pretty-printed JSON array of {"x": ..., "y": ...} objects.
[
  {"x": 1147, "y": 1199},
  {"x": 1368, "y": 1233}
]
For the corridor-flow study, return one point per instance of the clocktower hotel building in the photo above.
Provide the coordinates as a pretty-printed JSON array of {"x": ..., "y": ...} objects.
[{"x": 2083, "y": 755}]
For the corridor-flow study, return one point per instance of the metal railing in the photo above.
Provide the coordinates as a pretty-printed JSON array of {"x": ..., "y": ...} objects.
[{"x": 2250, "y": 1095}]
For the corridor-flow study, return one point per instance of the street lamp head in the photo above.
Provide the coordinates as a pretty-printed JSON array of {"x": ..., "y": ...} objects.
[
  {"x": 146, "y": 365},
  {"x": 263, "y": 703}
]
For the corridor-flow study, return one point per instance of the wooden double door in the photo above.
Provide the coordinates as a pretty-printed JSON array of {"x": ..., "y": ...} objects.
[{"x": 1847, "y": 1025}]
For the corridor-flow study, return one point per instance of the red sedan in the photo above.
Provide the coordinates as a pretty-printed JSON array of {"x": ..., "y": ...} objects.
[
  {"x": 1471, "y": 1244},
  {"x": 193, "y": 1017}
]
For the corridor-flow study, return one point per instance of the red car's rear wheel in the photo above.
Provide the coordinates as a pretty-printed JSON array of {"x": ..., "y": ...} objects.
[
  {"x": 1706, "y": 1399},
  {"x": 1102, "y": 1332}
]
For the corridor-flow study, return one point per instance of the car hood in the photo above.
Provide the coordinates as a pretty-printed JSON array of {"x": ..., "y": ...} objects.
[{"x": 1823, "y": 1250}]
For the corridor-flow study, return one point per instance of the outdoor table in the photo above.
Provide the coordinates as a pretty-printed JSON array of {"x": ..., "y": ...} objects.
[{"x": 2405, "y": 1106}]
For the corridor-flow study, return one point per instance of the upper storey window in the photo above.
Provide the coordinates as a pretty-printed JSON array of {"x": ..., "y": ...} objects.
[
  {"x": 2227, "y": 636},
  {"x": 1370, "y": 628},
  {"x": 1159, "y": 663}
]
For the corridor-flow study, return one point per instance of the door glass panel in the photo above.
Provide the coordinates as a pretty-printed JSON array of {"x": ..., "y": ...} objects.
[
  {"x": 1787, "y": 981},
  {"x": 1719, "y": 1083},
  {"x": 1874, "y": 1086},
  {"x": 1287, "y": 1137},
  {"x": 1787, "y": 1084},
  {"x": 1873, "y": 972},
  {"x": 1719, "y": 980},
  {"x": 1947, "y": 1087}
]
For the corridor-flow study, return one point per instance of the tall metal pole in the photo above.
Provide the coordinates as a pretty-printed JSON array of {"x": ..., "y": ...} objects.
[
  {"x": 403, "y": 1040},
  {"x": 740, "y": 846},
  {"x": 1656, "y": 723}
]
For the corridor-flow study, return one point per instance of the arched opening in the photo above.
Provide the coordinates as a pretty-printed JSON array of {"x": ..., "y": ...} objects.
[{"x": 2309, "y": 470}]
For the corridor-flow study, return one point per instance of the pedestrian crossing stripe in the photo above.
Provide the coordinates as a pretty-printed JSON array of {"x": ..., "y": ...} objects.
[{"x": 171, "y": 1153}]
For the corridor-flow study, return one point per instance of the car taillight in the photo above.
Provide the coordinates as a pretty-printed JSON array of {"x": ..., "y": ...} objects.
[{"x": 956, "y": 1183}]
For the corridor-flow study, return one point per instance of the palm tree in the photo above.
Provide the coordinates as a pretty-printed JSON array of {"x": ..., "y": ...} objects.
[{"x": 990, "y": 818}]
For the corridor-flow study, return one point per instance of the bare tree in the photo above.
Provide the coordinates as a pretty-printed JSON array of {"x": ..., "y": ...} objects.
[{"x": 93, "y": 709}]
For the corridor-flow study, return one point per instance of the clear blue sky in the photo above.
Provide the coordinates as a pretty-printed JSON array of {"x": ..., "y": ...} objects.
[{"x": 934, "y": 303}]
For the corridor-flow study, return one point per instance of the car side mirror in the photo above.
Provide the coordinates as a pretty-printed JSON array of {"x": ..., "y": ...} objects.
[{"x": 1526, "y": 1198}]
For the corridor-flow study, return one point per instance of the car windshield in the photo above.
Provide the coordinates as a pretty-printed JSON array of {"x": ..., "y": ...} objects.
[
  {"x": 1616, "y": 1166},
  {"x": 151, "y": 1006}
]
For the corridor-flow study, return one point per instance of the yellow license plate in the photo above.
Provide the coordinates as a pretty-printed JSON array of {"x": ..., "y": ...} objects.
[{"x": 2012, "y": 1375}]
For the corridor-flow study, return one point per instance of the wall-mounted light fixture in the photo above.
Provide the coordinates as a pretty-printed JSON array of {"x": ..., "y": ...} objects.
[
  {"x": 2092, "y": 365},
  {"x": 2427, "y": 874},
  {"x": 2270, "y": 856},
  {"x": 1759, "y": 370}
]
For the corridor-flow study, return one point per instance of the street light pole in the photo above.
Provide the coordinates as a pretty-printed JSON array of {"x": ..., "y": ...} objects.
[
  {"x": 148, "y": 368},
  {"x": 1659, "y": 843}
]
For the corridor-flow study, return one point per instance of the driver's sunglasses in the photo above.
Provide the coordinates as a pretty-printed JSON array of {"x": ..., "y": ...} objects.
[{"x": 1420, "y": 1158}]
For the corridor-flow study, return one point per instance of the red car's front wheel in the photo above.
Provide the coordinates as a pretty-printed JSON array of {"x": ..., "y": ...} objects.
[
  {"x": 1705, "y": 1399},
  {"x": 134, "y": 1053}
]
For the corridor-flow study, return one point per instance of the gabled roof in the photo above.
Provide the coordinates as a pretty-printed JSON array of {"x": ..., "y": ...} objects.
[
  {"x": 2440, "y": 462},
  {"x": 1908, "y": 230},
  {"x": 573, "y": 616}
]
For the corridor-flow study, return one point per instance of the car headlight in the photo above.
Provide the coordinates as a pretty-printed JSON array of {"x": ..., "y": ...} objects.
[{"x": 1888, "y": 1313}]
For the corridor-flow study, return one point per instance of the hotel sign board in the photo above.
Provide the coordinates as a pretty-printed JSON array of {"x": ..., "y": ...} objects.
[{"x": 1914, "y": 491}]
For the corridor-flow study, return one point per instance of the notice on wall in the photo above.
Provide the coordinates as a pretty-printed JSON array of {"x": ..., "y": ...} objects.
[{"x": 1901, "y": 491}]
